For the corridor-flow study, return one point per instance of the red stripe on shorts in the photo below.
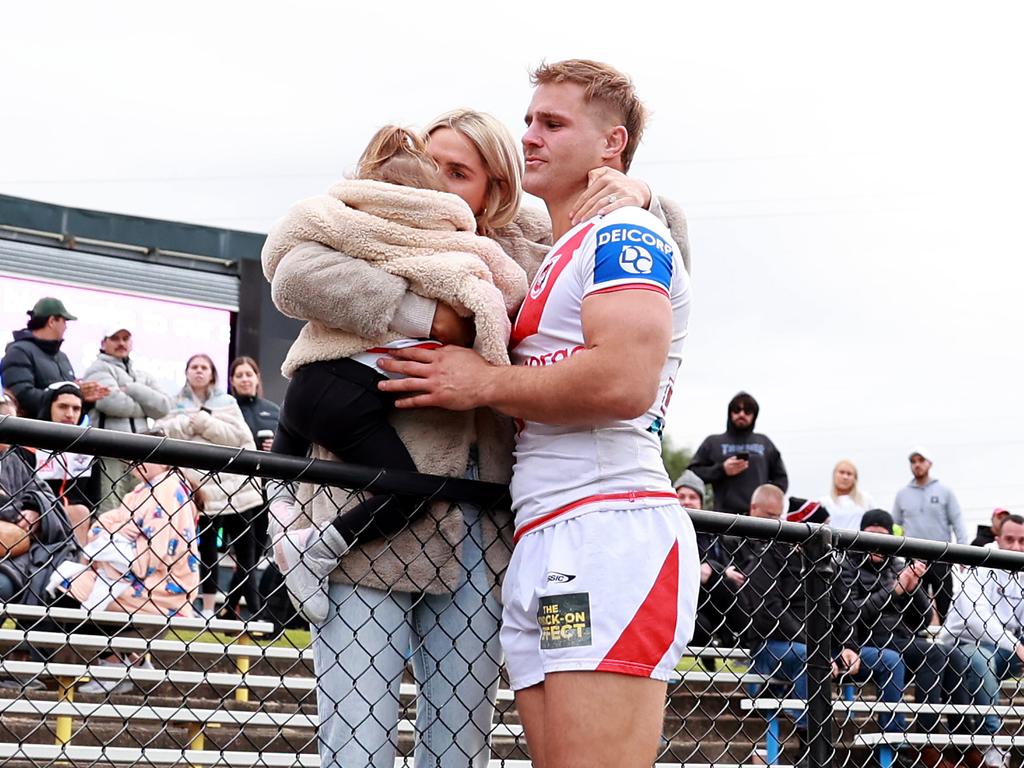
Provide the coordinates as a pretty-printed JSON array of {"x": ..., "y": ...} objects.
[
  {"x": 630, "y": 496},
  {"x": 653, "y": 628}
]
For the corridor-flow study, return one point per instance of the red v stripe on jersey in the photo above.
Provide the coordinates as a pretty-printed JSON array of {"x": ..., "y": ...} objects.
[
  {"x": 528, "y": 320},
  {"x": 653, "y": 628}
]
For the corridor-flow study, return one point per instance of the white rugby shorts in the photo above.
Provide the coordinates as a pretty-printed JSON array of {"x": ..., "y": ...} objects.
[{"x": 608, "y": 591}]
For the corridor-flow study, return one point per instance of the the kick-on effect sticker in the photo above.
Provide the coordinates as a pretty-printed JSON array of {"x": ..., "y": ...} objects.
[{"x": 564, "y": 620}]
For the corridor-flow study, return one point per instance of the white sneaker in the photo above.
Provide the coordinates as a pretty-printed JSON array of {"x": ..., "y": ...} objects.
[
  {"x": 107, "y": 685},
  {"x": 996, "y": 758}
]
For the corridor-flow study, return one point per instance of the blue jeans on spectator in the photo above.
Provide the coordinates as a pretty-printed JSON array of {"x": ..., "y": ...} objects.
[
  {"x": 983, "y": 667},
  {"x": 788, "y": 661},
  {"x": 360, "y": 655}
]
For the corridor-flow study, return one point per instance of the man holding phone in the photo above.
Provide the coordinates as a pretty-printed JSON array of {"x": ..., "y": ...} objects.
[{"x": 739, "y": 460}]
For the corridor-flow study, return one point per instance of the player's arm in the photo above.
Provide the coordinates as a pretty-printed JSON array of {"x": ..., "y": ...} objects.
[{"x": 616, "y": 376}]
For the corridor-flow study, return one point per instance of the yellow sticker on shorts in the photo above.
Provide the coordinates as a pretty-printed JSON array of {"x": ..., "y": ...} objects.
[{"x": 564, "y": 620}]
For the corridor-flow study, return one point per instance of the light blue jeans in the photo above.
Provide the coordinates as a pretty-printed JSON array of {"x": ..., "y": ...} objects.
[{"x": 360, "y": 655}]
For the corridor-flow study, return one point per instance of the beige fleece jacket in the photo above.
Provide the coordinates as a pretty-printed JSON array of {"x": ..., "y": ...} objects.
[{"x": 426, "y": 237}]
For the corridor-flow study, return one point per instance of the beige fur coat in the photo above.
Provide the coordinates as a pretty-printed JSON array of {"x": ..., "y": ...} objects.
[
  {"x": 426, "y": 237},
  {"x": 314, "y": 283}
]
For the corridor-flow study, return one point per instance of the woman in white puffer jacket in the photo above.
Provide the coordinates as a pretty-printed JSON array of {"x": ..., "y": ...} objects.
[{"x": 205, "y": 414}]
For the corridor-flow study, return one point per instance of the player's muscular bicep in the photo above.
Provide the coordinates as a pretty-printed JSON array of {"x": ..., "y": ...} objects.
[{"x": 630, "y": 333}]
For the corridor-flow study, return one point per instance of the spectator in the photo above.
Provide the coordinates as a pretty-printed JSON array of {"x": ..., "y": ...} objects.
[
  {"x": 891, "y": 611},
  {"x": 206, "y": 414},
  {"x": 33, "y": 360},
  {"x": 138, "y": 558},
  {"x": 260, "y": 415},
  {"x": 987, "y": 534},
  {"x": 69, "y": 475},
  {"x": 983, "y": 629},
  {"x": 927, "y": 509},
  {"x": 846, "y": 503},
  {"x": 743, "y": 552},
  {"x": 135, "y": 397},
  {"x": 719, "y": 615},
  {"x": 247, "y": 387},
  {"x": 739, "y": 460},
  {"x": 777, "y": 584},
  {"x": 34, "y": 534}
]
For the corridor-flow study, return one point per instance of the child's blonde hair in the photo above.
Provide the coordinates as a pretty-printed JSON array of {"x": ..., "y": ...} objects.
[{"x": 399, "y": 156}]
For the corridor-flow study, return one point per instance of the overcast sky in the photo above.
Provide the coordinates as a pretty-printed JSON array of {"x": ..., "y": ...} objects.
[{"x": 852, "y": 179}]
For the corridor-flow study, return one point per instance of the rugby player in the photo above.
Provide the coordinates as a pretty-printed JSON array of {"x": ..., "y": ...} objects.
[{"x": 601, "y": 593}]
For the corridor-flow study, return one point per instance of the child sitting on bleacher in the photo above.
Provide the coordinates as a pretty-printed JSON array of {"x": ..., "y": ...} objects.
[{"x": 141, "y": 557}]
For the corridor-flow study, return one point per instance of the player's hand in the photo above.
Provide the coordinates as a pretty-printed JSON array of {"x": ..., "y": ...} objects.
[
  {"x": 734, "y": 465},
  {"x": 449, "y": 377},
  {"x": 449, "y": 328},
  {"x": 607, "y": 190}
]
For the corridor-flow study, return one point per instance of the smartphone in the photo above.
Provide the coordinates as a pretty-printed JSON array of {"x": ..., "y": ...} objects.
[{"x": 743, "y": 455}]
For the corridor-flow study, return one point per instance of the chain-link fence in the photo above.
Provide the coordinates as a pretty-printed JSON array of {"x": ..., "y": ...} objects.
[{"x": 148, "y": 622}]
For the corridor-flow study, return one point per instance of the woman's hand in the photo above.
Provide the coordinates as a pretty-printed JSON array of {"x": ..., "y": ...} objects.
[
  {"x": 449, "y": 328},
  {"x": 607, "y": 190}
]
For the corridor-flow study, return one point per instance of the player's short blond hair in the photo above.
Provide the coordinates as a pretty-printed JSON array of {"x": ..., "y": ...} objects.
[{"x": 606, "y": 86}]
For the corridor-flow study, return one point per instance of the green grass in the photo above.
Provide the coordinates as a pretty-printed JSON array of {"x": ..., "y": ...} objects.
[{"x": 292, "y": 638}]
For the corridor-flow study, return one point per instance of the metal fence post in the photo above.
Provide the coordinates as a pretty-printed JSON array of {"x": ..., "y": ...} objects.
[{"x": 819, "y": 572}]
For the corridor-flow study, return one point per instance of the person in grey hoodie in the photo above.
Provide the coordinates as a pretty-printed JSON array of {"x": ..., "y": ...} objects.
[
  {"x": 135, "y": 397},
  {"x": 927, "y": 509}
]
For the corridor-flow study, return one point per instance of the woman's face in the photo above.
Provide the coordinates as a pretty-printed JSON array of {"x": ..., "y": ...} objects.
[
  {"x": 844, "y": 477},
  {"x": 244, "y": 381},
  {"x": 462, "y": 167},
  {"x": 199, "y": 374}
]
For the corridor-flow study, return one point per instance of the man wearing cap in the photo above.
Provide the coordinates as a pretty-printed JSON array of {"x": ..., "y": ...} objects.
[
  {"x": 135, "y": 397},
  {"x": 718, "y": 606},
  {"x": 927, "y": 509},
  {"x": 33, "y": 360},
  {"x": 987, "y": 534}
]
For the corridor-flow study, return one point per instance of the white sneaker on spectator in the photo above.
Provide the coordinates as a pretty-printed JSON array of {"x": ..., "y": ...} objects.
[
  {"x": 996, "y": 758},
  {"x": 21, "y": 683},
  {"x": 107, "y": 685}
]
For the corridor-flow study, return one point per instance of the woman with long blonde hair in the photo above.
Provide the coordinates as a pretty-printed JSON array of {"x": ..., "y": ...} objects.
[{"x": 846, "y": 503}]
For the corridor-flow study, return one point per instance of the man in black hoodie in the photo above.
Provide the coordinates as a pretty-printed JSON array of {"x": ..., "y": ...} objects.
[
  {"x": 737, "y": 461},
  {"x": 33, "y": 360}
]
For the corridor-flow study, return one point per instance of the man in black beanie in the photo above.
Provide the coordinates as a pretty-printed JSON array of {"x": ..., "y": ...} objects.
[
  {"x": 891, "y": 609},
  {"x": 739, "y": 460}
]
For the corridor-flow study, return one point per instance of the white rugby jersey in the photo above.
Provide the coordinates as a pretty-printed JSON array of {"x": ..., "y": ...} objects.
[{"x": 563, "y": 471}]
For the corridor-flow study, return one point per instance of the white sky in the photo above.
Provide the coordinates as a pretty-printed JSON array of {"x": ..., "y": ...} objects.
[{"x": 852, "y": 178}]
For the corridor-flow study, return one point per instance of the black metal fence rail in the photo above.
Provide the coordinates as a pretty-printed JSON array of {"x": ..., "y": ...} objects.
[{"x": 819, "y": 548}]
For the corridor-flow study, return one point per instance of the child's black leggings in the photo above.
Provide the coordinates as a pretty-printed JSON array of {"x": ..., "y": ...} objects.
[{"x": 336, "y": 404}]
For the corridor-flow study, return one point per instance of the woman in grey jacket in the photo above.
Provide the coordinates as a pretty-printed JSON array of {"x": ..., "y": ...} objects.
[
  {"x": 433, "y": 587},
  {"x": 204, "y": 413}
]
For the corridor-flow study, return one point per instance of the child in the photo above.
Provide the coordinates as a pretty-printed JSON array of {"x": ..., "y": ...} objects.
[{"x": 395, "y": 215}]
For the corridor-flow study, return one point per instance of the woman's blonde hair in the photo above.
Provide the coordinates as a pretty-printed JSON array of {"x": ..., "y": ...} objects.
[
  {"x": 854, "y": 491},
  {"x": 399, "y": 156},
  {"x": 502, "y": 161}
]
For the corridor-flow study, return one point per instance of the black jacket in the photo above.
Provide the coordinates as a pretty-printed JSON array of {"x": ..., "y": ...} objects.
[
  {"x": 258, "y": 414},
  {"x": 883, "y": 618},
  {"x": 30, "y": 365},
  {"x": 52, "y": 542},
  {"x": 779, "y": 612},
  {"x": 732, "y": 494},
  {"x": 984, "y": 537}
]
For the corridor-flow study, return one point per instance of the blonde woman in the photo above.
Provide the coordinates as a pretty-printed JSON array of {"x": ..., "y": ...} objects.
[
  {"x": 846, "y": 503},
  {"x": 434, "y": 586}
]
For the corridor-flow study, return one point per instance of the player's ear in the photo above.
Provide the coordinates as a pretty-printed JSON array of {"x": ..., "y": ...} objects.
[{"x": 615, "y": 142}]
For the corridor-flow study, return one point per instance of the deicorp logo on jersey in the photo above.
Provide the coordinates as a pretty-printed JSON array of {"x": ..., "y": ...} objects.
[{"x": 627, "y": 250}]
